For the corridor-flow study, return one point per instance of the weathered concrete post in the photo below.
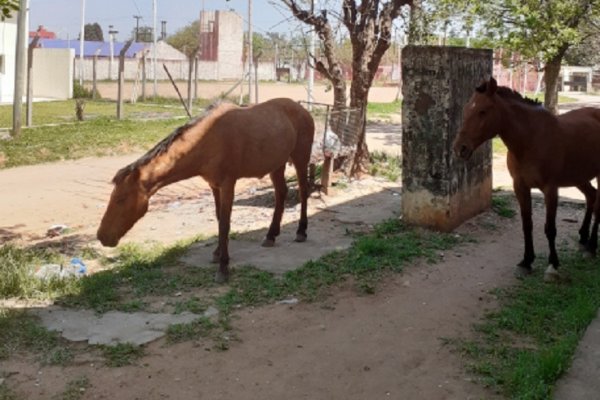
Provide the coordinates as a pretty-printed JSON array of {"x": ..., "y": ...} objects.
[{"x": 439, "y": 190}]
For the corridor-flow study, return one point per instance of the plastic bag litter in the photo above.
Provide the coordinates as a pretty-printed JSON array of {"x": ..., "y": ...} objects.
[{"x": 48, "y": 271}]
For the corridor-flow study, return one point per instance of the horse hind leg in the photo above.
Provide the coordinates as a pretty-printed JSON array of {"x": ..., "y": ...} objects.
[
  {"x": 301, "y": 166},
  {"x": 592, "y": 243},
  {"x": 278, "y": 179},
  {"x": 590, "y": 197}
]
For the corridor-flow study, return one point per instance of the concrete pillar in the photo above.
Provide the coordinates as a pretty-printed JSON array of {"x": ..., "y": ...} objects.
[{"x": 439, "y": 190}]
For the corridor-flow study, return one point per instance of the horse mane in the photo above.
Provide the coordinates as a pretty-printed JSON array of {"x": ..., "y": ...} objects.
[
  {"x": 508, "y": 93},
  {"x": 162, "y": 146}
]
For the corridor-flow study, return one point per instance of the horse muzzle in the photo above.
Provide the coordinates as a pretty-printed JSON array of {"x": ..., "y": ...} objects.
[{"x": 107, "y": 240}]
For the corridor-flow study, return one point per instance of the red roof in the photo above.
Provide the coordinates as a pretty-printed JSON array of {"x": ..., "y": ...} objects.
[{"x": 42, "y": 33}]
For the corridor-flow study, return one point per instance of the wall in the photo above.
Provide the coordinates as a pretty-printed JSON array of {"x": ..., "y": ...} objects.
[
  {"x": 231, "y": 44},
  {"x": 53, "y": 73},
  {"x": 438, "y": 189},
  {"x": 8, "y": 38}
]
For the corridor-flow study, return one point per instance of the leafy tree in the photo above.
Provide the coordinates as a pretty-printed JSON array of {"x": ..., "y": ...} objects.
[
  {"x": 545, "y": 29},
  {"x": 369, "y": 26},
  {"x": 145, "y": 34},
  {"x": 93, "y": 32},
  {"x": 7, "y": 7},
  {"x": 187, "y": 41}
]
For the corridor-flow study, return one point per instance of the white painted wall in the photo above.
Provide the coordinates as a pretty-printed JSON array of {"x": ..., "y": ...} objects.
[
  {"x": 8, "y": 40},
  {"x": 53, "y": 73}
]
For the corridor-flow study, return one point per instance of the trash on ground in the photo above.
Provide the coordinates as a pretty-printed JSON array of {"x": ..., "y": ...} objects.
[
  {"x": 56, "y": 230},
  {"x": 75, "y": 269}
]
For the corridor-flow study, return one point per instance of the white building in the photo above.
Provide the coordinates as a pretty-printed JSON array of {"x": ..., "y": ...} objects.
[{"x": 8, "y": 40}]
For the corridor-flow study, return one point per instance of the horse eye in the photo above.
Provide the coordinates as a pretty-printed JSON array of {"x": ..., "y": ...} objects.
[{"x": 481, "y": 113}]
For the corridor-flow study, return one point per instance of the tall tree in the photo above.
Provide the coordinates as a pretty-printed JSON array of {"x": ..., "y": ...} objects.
[
  {"x": 93, "y": 32},
  {"x": 369, "y": 26},
  {"x": 187, "y": 41},
  {"x": 545, "y": 29},
  {"x": 7, "y": 7}
]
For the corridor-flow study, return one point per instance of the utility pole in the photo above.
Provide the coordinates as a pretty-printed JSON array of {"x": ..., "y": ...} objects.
[
  {"x": 249, "y": 51},
  {"x": 137, "y": 27},
  {"x": 21, "y": 55},
  {"x": 81, "y": 41},
  {"x": 111, "y": 40},
  {"x": 155, "y": 90}
]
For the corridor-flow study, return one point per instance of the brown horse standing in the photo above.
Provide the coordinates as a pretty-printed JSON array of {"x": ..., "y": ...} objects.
[
  {"x": 544, "y": 152},
  {"x": 225, "y": 144}
]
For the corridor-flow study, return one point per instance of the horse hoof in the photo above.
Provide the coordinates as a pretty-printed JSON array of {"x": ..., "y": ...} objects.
[
  {"x": 551, "y": 275},
  {"x": 221, "y": 278},
  {"x": 582, "y": 248},
  {"x": 522, "y": 272},
  {"x": 268, "y": 242},
  {"x": 300, "y": 238}
]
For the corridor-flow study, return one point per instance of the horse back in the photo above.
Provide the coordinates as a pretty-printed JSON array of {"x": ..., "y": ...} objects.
[{"x": 256, "y": 140}]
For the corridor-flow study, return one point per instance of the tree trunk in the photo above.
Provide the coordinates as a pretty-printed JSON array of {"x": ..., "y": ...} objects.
[
  {"x": 551, "y": 74},
  {"x": 189, "y": 88}
]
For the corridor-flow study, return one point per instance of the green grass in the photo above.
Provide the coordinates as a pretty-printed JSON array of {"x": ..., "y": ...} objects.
[
  {"x": 20, "y": 332},
  {"x": 94, "y": 138},
  {"x": 523, "y": 347},
  {"x": 383, "y": 164},
  {"x": 122, "y": 354},
  {"x": 202, "y": 327},
  {"x": 17, "y": 267},
  {"x": 60, "y": 112},
  {"x": 503, "y": 206},
  {"x": 383, "y": 110},
  {"x": 75, "y": 389}
]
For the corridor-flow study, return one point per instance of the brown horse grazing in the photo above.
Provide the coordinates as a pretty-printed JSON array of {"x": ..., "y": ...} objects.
[
  {"x": 225, "y": 144},
  {"x": 544, "y": 151}
]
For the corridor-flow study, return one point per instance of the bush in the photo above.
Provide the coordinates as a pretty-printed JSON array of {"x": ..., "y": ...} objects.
[{"x": 81, "y": 92}]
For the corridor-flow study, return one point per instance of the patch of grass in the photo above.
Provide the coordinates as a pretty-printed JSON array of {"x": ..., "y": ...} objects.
[
  {"x": 503, "y": 206},
  {"x": 21, "y": 332},
  {"x": 200, "y": 328},
  {"x": 75, "y": 389},
  {"x": 99, "y": 137},
  {"x": 193, "y": 305},
  {"x": 383, "y": 164},
  {"x": 388, "y": 249},
  {"x": 17, "y": 267},
  {"x": 527, "y": 344},
  {"x": 122, "y": 354},
  {"x": 498, "y": 146},
  {"x": 6, "y": 393},
  {"x": 60, "y": 112},
  {"x": 383, "y": 110},
  {"x": 138, "y": 271}
]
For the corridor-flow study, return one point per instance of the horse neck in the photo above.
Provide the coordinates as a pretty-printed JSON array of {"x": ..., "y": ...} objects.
[
  {"x": 520, "y": 126},
  {"x": 167, "y": 168}
]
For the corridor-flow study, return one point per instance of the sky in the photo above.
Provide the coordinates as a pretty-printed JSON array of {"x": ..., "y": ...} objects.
[{"x": 64, "y": 16}]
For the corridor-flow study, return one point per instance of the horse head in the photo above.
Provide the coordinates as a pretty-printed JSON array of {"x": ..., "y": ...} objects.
[
  {"x": 481, "y": 119},
  {"x": 128, "y": 203}
]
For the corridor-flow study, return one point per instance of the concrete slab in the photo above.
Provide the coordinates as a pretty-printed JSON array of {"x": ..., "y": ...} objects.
[
  {"x": 582, "y": 380},
  {"x": 114, "y": 327}
]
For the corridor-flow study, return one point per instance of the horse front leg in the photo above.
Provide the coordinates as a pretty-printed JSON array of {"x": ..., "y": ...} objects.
[
  {"x": 226, "y": 204},
  {"x": 590, "y": 198},
  {"x": 551, "y": 200},
  {"x": 523, "y": 194},
  {"x": 278, "y": 179},
  {"x": 217, "y": 197}
]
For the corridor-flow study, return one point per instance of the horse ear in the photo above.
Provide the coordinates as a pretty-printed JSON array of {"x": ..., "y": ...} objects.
[{"x": 492, "y": 87}]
